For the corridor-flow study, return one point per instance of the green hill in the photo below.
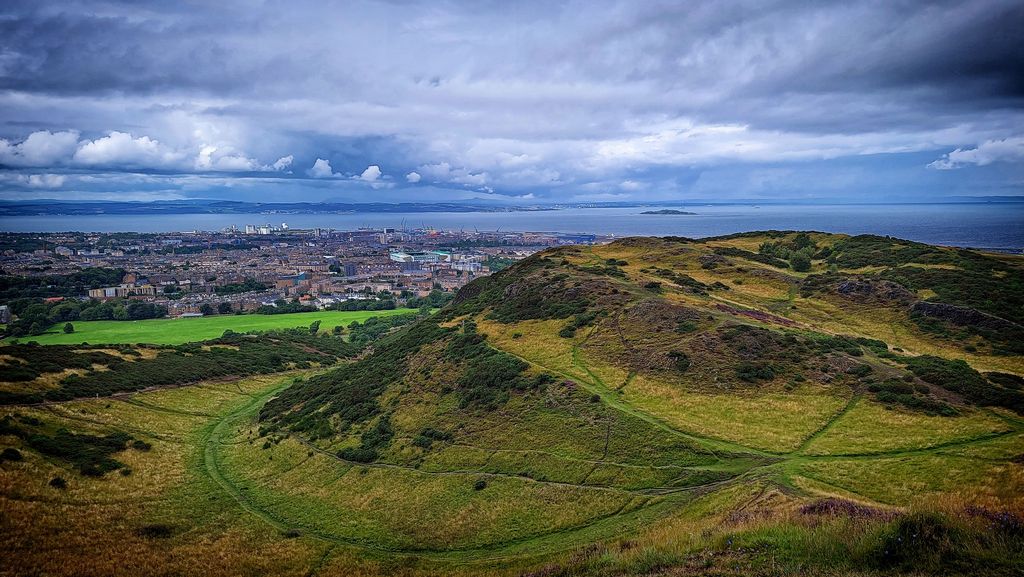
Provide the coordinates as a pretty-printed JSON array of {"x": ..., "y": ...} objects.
[{"x": 764, "y": 403}]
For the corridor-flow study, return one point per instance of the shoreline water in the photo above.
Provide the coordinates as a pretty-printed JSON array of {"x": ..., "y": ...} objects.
[{"x": 992, "y": 226}]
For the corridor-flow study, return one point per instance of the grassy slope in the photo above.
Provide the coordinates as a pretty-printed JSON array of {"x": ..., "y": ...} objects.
[
  {"x": 623, "y": 466},
  {"x": 232, "y": 508},
  {"x": 177, "y": 331}
]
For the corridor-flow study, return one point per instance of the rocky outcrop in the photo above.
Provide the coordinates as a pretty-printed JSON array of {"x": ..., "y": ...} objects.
[
  {"x": 713, "y": 261},
  {"x": 870, "y": 289},
  {"x": 963, "y": 316}
]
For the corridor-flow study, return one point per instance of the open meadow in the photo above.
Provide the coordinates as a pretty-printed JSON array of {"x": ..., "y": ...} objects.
[{"x": 183, "y": 330}]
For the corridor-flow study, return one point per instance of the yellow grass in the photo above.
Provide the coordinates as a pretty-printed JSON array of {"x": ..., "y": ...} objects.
[
  {"x": 772, "y": 421},
  {"x": 869, "y": 427}
]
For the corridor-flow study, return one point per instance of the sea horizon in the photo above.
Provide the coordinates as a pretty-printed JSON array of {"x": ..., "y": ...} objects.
[{"x": 982, "y": 225}]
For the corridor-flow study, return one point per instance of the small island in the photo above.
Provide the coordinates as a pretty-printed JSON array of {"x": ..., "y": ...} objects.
[{"x": 667, "y": 211}]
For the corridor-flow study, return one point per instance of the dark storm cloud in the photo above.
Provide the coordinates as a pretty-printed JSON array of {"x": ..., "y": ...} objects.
[{"x": 569, "y": 100}]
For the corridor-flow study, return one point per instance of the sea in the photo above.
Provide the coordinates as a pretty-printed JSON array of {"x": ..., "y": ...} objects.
[{"x": 996, "y": 226}]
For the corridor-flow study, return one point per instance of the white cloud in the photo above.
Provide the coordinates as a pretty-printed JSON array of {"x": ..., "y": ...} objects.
[
  {"x": 46, "y": 180},
  {"x": 43, "y": 181},
  {"x": 236, "y": 162},
  {"x": 1005, "y": 150},
  {"x": 123, "y": 150},
  {"x": 283, "y": 162},
  {"x": 41, "y": 148},
  {"x": 443, "y": 172},
  {"x": 322, "y": 169},
  {"x": 371, "y": 174},
  {"x": 437, "y": 171},
  {"x": 413, "y": 177},
  {"x": 225, "y": 159}
]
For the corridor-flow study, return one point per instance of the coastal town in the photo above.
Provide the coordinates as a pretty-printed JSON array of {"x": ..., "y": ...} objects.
[{"x": 241, "y": 269}]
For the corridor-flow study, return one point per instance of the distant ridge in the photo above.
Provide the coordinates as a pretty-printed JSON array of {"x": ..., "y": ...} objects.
[{"x": 40, "y": 207}]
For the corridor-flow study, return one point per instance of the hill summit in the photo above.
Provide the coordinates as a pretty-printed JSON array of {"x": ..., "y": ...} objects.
[{"x": 589, "y": 392}]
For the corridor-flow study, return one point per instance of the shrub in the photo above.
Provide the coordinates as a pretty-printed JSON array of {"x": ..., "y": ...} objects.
[
  {"x": 685, "y": 326},
  {"x": 10, "y": 454},
  {"x": 58, "y": 483},
  {"x": 752, "y": 372},
  {"x": 480, "y": 485},
  {"x": 915, "y": 542},
  {"x": 800, "y": 262},
  {"x": 961, "y": 378},
  {"x": 859, "y": 370},
  {"x": 682, "y": 361},
  {"x": 358, "y": 454},
  {"x": 156, "y": 531}
]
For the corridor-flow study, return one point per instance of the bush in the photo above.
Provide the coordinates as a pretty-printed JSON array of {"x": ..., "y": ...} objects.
[
  {"x": 10, "y": 454},
  {"x": 685, "y": 326},
  {"x": 156, "y": 531},
  {"x": 480, "y": 485},
  {"x": 959, "y": 377},
  {"x": 752, "y": 372},
  {"x": 58, "y": 483},
  {"x": 860, "y": 370},
  {"x": 916, "y": 542},
  {"x": 682, "y": 361},
  {"x": 358, "y": 454},
  {"x": 800, "y": 262}
]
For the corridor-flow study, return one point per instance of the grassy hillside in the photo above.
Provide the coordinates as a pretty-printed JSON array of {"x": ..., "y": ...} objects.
[
  {"x": 652, "y": 406},
  {"x": 185, "y": 330}
]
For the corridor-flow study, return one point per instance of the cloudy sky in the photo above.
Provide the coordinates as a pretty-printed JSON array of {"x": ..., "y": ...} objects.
[{"x": 523, "y": 102}]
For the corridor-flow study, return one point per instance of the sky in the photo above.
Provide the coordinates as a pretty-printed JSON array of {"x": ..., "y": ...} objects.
[{"x": 515, "y": 102}]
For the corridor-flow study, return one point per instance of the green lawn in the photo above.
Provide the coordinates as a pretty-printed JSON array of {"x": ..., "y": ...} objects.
[{"x": 177, "y": 331}]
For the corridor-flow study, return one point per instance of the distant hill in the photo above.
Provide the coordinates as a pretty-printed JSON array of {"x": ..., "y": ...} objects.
[
  {"x": 667, "y": 211},
  {"x": 73, "y": 208}
]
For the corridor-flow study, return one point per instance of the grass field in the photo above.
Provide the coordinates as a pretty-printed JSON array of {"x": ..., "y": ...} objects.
[
  {"x": 213, "y": 498},
  {"x": 177, "y": 331}
]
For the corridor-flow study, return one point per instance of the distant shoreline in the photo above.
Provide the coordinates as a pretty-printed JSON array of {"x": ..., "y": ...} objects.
[{"x": 51, "y": 207}]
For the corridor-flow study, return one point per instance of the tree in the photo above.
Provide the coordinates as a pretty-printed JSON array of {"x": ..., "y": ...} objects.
[
  {"x": 224, "y": 308},
  {"x": 800, "y": 262},
  {"x": 206, "y": 309},
  {"x": 69, "y": 328},
  {"x": 314, "y": 327}
]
